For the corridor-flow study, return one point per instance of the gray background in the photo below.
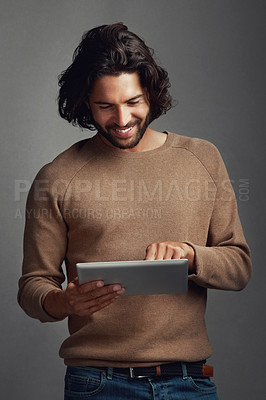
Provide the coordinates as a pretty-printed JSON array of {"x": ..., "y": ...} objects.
[{"x": 214, "y": 52}]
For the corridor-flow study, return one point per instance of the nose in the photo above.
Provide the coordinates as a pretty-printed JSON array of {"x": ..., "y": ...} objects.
[{"x": 122, "y": 116}]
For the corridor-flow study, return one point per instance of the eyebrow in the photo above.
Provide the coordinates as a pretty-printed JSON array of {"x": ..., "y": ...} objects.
[{"x": 127, "y": 101}]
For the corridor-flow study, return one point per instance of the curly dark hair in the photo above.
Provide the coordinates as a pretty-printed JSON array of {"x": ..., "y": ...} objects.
[{"x": 110, "y": 50}]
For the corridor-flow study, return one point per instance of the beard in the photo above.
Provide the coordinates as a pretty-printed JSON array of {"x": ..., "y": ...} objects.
[{"x": 140, "y": 126}]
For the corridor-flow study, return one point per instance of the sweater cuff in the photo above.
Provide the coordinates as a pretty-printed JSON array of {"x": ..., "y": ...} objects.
[
  {"x": 33, "y": 304},
  {"x": 198, "y": 262}
]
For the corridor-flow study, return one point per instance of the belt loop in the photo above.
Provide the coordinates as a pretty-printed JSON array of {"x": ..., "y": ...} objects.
[
  {"x": 184, "y": 370},
  {"x": 110, "y": 373}
]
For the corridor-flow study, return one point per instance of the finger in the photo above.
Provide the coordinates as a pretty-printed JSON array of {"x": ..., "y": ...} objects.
[
  {"x": 112, "y": 289},
  {"x": 169, "y": 252},
  {"x": 83, "y": 303},
  {"x": 90, "y": 286},
  {"x": 151, "y": 252},
  {"x": 79, "y": 302},
  {"x": 178, "y": 253},
  {"x": 74, "y": 293},
  {"x": 73, "y": 284},
  {"x": 160, "y": 251},
  {"x": 96, "y": 304},
  {"x": 100, "y": 300}
]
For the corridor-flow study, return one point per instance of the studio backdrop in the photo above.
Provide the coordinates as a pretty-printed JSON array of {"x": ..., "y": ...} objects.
[{"x": 214, "y": 52}]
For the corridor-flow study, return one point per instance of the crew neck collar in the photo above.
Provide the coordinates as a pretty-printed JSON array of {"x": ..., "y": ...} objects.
[{"x": 116, "y": 152}]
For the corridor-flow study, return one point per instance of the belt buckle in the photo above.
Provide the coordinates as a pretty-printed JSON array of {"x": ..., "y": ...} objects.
[{"x": 132, "y": 374}]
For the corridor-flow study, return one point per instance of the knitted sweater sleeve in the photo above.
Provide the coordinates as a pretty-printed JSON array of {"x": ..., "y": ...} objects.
[
  {"x": 225, "y": 262},
  {"x": 45, "y": 243}
]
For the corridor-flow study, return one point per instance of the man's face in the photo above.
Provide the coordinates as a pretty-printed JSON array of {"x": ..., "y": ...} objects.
[{"x": 120, "y": 109}]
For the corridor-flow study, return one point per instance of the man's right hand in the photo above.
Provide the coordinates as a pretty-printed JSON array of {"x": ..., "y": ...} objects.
[{"x": 82, "y": 300}]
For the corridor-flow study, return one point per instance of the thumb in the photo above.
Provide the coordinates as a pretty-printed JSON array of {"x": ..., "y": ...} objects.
[{"x": 74, "y": 282}]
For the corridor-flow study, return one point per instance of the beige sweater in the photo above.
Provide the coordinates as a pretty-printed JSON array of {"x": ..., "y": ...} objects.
[{"x": 93, "y": 203}]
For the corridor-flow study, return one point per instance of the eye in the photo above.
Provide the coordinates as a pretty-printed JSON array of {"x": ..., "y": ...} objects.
[
  {"x": 133, "y": 103},
  {"x": 107, "y": 107}
]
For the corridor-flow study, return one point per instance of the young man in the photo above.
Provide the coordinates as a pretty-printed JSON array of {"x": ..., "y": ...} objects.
[{"x": 129, "y": 193}]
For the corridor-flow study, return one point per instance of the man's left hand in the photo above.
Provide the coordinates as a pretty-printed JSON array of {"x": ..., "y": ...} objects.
[{"x": 167, "y": 250}]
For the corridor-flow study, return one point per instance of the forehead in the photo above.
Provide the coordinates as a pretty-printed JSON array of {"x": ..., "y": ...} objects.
[{"x": 114, "y": 89}]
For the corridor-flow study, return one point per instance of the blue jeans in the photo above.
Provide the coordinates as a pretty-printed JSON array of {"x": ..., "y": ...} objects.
[{"x": 91, "y": 383}]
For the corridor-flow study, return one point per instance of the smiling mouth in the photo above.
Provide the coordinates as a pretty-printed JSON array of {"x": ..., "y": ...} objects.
[{"x": 123, "y": 133}]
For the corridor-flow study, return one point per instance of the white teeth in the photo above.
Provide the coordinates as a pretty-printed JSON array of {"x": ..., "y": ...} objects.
[{"x": 123, "y": 130}]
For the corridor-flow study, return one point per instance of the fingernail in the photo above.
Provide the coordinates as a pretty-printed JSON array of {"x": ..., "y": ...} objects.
[
  {"x": 120, "y": 291},
  {"x": 116, "y": 288},
  {"x": 100, "y": 284}
]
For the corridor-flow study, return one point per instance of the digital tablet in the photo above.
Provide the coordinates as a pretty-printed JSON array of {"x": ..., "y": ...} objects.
[{"x": 143, "y": 277}]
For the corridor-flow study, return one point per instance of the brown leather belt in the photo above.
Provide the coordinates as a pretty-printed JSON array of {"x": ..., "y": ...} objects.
[{"x": 194, "y": 369}]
